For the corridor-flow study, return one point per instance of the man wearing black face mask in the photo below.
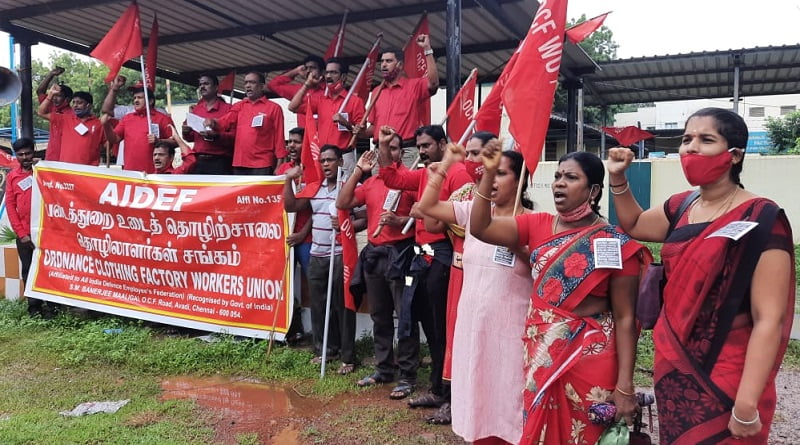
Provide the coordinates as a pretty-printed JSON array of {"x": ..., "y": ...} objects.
[{"x": 82, "y": 137}]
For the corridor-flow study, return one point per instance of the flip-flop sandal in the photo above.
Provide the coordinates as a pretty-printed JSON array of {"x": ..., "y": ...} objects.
[
  {"x": 403, "y": 389},
  {"x": 373, "y": 379},
  {"x": 429, "y": 400},
  {"x": 442, "y": 416}
]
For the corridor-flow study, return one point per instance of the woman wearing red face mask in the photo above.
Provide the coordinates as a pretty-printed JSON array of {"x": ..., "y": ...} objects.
[
  {"x": 483, "y": 332},
  {"x": 726, "y": 317},
  {"x": 579, "y": 340}
]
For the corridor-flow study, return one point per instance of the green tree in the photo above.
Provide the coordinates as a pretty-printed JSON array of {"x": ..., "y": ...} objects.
[
  {"x": 601, "y": 47},
  {"x": 84, "y": 74},
  {"x": 784, "y": 133}
]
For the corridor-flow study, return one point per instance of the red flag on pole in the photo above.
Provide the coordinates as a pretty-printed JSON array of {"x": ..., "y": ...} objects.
[
  {"x": 582, "y": 30},
  {"x": 226, "y": 84},
  {"x": 627, "y": 135},
  {"x": 362, "y": 87},
  {"x": 309, "y": 153},
  {"x": 491, "y": 112},
  {"x": 415, "y": 64},
  {"x": 462, "y": 109},
  {"x": 152, "y": 55},
  {"x": 122, "y": 42},
  {"x": 337, "y": 42},
  {"x": 531, "y": 83},
  {"x": 349, "y": 255}
]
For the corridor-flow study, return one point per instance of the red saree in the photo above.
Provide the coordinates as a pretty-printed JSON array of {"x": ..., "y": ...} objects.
[
  {"x": 570, "y": 361},
  {"x": 703, "y": 330}
]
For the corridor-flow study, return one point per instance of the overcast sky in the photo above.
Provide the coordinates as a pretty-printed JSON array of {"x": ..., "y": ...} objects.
[{"x": 660, "y": 27}]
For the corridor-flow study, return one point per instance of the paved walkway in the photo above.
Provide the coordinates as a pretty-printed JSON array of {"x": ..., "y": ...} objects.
[{"x": 796, "y": 327}]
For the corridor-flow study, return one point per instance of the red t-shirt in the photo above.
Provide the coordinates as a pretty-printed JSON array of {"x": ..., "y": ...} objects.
[
  {"x": 80, "y": 144},
  {"x": 398, "y": 106},
  {"x": 18, "y": 200},
  {"x": 223, "y": 144},
  {"x": 303, "y": 215},
  {"x": 325, "y": 107},
  {"x": 186, "y": 167},
  {"x": 282, "y": 86},
  {"x": 416, "y": 180},
  {"x": 53, "y": 152},
  {"x": 534, "y": 228},
  {"x": 259, "y": 132},
  {"x": 132, "y": 128},
  {"x": 373, "y": 193}
]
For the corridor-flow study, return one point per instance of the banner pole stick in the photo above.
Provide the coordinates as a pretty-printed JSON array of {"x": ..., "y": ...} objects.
[{"x": 330, "y": 290}]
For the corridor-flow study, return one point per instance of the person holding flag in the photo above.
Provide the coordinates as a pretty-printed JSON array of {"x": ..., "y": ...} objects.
[
  {"x": 397, "y": 100},
  {"x": 133, "y": 127},
  {"x": 284, "y": 85},
  {"x": 336, "y": 110},
  {"x": 326, "y": 245},
  {"x": 380, "y": 266},
  {"x": 213, "y": 149}
]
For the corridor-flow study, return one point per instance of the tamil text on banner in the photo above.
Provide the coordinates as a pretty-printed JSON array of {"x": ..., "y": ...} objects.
[{"x": 176, "y": 249}]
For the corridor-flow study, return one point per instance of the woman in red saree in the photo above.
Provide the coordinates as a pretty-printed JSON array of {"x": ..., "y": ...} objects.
[
  {"x": 726, "y": 318},
  {"x": 580, "y": 335}
]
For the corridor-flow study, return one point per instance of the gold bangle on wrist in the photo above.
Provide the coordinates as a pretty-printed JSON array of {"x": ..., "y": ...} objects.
[
  {"x": 479, "y": 195},
  {"x": 629, "y": 394}
]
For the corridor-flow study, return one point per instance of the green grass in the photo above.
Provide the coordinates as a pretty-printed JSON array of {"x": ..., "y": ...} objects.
[{"x": 52, "y": 366}]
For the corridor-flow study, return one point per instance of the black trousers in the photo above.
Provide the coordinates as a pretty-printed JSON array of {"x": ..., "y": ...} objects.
[
  {"x": 342, "y": 325},
  {"x": 212, "y": 165},
  {"x": 430, "y": 309},
  {"x": 384, "y": 297}
]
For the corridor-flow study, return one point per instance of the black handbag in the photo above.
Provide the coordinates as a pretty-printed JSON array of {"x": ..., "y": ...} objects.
[{"x": 651, "y": 288}]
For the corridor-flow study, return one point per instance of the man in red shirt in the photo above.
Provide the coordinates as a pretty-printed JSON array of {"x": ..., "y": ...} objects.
[
  {"x": 132, "y": 128},
  {"x": 399, "y": 104},
  {"x": 259, "y": 146},
  {"x": 59, "y": 104},
  {"x": 213, "y": 150},
  {"x": 164, "y": 155},
  {"x": 334, "y": 128},
  {"x": 427, "y": 293},
  {"x": 283, "y": 85},
  {"x": 82, "y": 136},
  {"x": 19, "y": 184},
  {"x": 300, "y": 239},
  {"x": 387, "y": 214}
]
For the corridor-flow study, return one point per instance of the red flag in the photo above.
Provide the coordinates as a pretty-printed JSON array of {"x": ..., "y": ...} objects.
[
  {"x": 349, "y": 255},
  {"x": 226, "y": 84},
  {"x": 462, "y": 109},
  {"x": 151, "y": 62},
  {"x": 627, "y": 135},
  {"x": 361, "y": 89},
  {"x": 531, "y": 83},
  {"x": 337, "y": 42},
  {"x": 491, "y": 112},
  {"x": 123, "y": 42},
  {"x": 415, "y": 64},
  {"x": 582, "y": 30},
  {"x": 309, "y": 157}
]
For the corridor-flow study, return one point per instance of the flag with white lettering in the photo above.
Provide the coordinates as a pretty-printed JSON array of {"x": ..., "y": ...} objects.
[
  {"x": 415, "y": 63},
  {"x": 309, "y": 153},
  {"x": 462, "y": 109},
  {"x": 529, "y": 90},
  {"x": 123, "y": 42},
  {"x": 490, "y": 113},
  {"x": 347, "y": 236}
]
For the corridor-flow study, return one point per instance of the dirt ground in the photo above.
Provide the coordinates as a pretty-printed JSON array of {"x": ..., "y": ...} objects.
[{"x": 246, "y": 411}]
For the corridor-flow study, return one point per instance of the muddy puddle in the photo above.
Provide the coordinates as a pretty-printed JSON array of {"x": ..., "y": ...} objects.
[{"x": 240, "y": 406}]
